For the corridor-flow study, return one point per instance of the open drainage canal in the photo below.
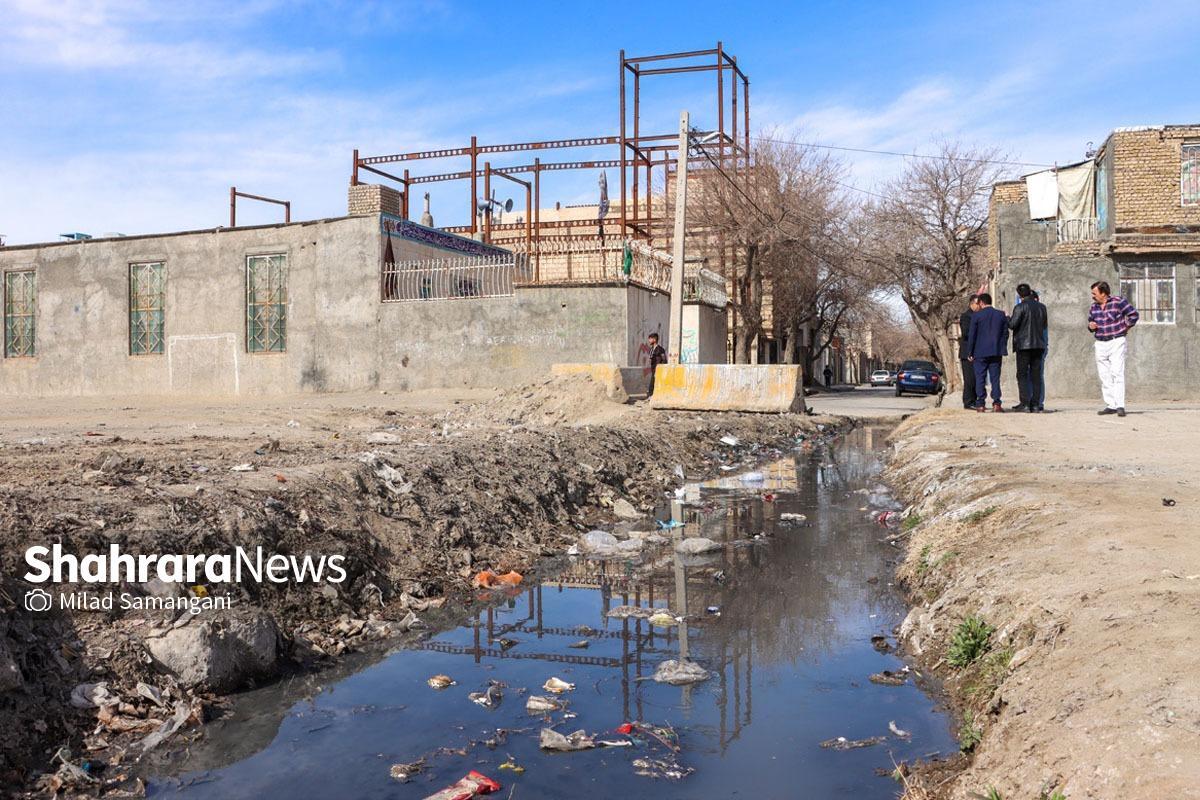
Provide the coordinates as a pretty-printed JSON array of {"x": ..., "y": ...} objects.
[{"x": 781, "y": 617}]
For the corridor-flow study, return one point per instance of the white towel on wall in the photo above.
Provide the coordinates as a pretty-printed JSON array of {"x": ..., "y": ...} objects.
[{"x": 1077, "y": 191}]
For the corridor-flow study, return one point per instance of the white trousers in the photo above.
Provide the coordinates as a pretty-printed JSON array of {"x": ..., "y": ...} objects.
[{"x": 1110, "y": 363}]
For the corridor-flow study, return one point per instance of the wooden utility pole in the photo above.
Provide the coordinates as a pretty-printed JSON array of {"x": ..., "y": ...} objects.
[{"x": 675, "y": 334}]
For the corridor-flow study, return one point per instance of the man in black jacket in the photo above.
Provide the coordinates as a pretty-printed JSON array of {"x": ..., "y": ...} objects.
[
  {"x": 1029, "y": 324},
  {"x": 968, "y": 369}
]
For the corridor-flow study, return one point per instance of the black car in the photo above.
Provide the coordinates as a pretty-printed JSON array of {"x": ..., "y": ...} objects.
[{"x": 918, "y": 376}]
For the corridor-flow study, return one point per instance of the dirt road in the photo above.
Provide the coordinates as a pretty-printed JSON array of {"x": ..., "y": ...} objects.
[
  {"x": 1072, "y": 537},
  {"x": 417, "y": 493}
]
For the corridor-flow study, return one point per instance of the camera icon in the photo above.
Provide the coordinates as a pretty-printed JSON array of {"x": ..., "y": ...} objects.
[{"x": 38, "y": 600}]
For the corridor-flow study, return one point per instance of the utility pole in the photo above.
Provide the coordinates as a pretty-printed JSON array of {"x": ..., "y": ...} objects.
[{"x": 675, "y": 334}]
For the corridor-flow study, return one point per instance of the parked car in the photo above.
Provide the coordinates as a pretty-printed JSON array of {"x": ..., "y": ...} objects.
[
  {"x": 918, "y": 377},
  {"x": 882, "y": 377}
]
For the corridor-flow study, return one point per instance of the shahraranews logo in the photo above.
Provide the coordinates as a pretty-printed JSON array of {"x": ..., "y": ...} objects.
[{"x": 197, "y": 568}]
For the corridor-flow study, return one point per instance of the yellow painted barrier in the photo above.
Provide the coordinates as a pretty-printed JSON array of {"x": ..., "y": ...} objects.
[
  {"x": 768, "y": 388},
  {"x": 607, "y": 375}
]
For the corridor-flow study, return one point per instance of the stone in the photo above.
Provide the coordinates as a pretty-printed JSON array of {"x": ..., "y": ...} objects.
[
  {"x": 10, "y": 673},
  {"x": 625, "y": 510},
  {"x": 219, "y": 653}
]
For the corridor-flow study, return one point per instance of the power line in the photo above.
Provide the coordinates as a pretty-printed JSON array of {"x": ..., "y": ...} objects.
[{"x": 901, "y": 155}]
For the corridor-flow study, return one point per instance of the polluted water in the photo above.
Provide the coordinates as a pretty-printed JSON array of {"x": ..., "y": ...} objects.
[{"x": 768, "y": 650}]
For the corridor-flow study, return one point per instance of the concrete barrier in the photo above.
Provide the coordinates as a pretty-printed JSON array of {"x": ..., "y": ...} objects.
[
  {"x": 618, "y": 382},
  {"x": 769, "y": 388}
]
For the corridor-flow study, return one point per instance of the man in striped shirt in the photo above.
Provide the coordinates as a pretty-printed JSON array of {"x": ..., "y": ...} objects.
[{"x": 1109, "y": 320}]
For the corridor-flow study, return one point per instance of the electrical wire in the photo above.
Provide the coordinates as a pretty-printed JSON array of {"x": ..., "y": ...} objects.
[{"x": 901, "y": 155}]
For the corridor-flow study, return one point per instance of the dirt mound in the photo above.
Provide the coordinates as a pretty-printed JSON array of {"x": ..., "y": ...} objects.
[{"x": 556, "y": 400}]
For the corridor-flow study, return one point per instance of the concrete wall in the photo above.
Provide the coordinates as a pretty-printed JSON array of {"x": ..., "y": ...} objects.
[
  {"x": 648, "y": 312},
  {"x": 505, "y": 340},
  {"x": 340, "y": 336},
  {"x": 704, "y": 334},
  {"x": 82, "y": 324},
  {"x": 1160, "y": 357}
]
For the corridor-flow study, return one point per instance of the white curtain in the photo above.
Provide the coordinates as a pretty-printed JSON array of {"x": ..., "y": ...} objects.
[
  {"x": 1042, "y": 188},
  {"x": 1077, "y": 191}
]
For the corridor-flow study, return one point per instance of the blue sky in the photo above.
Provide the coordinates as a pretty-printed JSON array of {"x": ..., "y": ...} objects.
[{"x": 136, "y": 117}]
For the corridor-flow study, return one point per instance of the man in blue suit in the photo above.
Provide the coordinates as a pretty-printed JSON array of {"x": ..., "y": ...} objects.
[{"x": 987, "y": 345}]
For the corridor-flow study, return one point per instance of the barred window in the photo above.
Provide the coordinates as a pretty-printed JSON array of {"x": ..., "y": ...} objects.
[
  {"x": 1189, "y": 174},
  {"x": 20, "y": 305},
  {"x": 1150, "y": 288},
  {"x": 147, "y": 290},
  {"x": 266, "y": 303}
]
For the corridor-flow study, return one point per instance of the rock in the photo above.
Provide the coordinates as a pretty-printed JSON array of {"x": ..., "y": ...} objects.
[
  {"x": 696, "y": 544},
  {"x": 383, "y": 437},
  {"x": 625, "y": 510},
  {"x": 219, "y": 653}
]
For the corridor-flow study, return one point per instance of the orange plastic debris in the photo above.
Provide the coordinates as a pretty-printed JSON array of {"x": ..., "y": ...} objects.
[
  {"x": 484, "y": 580},
  {"x": 511, "y": 578}
]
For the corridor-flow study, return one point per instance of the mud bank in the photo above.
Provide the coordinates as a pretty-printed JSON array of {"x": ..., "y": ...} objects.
[
  {"x": 1055, "y": 592},
  {"x": 416, "y": 503}
]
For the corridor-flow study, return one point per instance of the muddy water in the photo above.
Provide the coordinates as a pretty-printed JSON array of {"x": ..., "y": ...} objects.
[{"x": 787, "y": 642}]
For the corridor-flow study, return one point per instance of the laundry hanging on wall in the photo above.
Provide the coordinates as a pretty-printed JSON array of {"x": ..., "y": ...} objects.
[
  {"x": 1077, "y": 191},
  {"x": 1042, "y": 188}
]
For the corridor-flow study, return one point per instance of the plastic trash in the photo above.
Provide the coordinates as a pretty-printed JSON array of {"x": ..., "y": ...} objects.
[
  {"x": 625, "y": 612},
  {"x": 714, "y": 611},
  {"x": 732, "y": 441},
  {"x": 441, "y": 681},
  {"x": 471, "y": 785},
  {"x": 489, "y": 698},
  {"x": 580, "y": 645},
  {"x": 557, "y": 686},
  {"x": 243, "y": 468},
  {"x": 791, "y": 518},
  {"x": 537, "y": 704},
  {"x": 842, "y": 743},
  {"x": 553, "y": 740},
  {"x": 514, "y": 766},
  {"x": 92, "y": 695},
  {"x": 678, "y": 673},
  {"x": 666, "y": 525},
  {"x": 403, "y": 772},
  {"x": 598, "y": 541},
  {"x": 896, "y": 730},
  {"x": 889, "y": 678},
  {"x": 488, "y": 579},
  {"x": 625, "y": 727},
  {"x": 752, "y": 477},
  {"x": 663, "y": 620},
  {"x": 696, "y": 544},
  {"x": 293, "y": 424}
]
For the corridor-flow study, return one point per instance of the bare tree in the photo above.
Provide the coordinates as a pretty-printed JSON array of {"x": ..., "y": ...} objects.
[
  {"x": 775, "y": 219},
  {"x": 928, "y": 234}
]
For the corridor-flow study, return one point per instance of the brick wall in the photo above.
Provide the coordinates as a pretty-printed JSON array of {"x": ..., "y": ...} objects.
[
  {"x": 1006, "y": 193},
  {"x": 371, "y": 198},
  {"x": 1146, "y": 177}
]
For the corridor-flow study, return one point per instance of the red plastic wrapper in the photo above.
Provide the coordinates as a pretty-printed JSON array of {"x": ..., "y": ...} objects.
[
  {"x": 625, "y": 728},
  {"x": 472, "y": 785}
]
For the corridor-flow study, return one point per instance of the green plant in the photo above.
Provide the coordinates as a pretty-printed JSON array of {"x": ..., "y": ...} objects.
[
  {"x": 969, "y": 734},
  {"x": 970, "y": 640},
  {"x": 992, "y": 794},
  {"x": 910, "y": 522},
  {"x": 1057, "y": 795},
  {"x": 976, "y": 516},
  {"x": 992, "y": 669},
  {"x": 923, "y": 559}
]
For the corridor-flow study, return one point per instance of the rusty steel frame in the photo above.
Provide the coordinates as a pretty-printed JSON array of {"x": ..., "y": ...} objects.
[
  {"x": 234, "y": 194},
  {"x": 636, "y": 158}
]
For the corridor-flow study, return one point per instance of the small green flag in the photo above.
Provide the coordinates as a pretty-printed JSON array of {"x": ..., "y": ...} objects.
[{"x": 627, "y": 262}]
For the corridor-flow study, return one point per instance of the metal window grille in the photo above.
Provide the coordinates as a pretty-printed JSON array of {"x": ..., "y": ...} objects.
[
  {"x": 266, "y": 303},
  {"x": 448, "y": 278},
  {"x": 1151, "y": 290},
  {"x": 1083, "y": 229},
  {"x": 147, "y": 289},
  {"x": 1189, "y": 174},
  {"x": 705, "y": 286},
  {"x": 20, "y": 304}
]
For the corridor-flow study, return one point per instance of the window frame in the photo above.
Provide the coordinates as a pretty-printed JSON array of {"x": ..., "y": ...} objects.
[
  {"x": 281, "y": 305},
  {"x": 32, "y": 315},
  {"x": 1192, "y": 158},
  {"x": 1149, "y": 315},
  {"x": 162, "y": 307}
]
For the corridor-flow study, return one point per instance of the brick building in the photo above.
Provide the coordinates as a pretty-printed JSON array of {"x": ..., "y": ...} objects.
[{"x": 1129, "y": 215}]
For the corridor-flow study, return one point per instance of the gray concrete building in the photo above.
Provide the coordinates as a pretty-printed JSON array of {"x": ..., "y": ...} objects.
[
  {"x": 364, "y": 301},
  {"x": 1129, "y": 215}
]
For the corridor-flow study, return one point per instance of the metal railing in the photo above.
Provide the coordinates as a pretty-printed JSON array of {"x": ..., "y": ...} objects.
[
  {"x": 462, "y": 278},
  {"x": 1084, "y": 229},
  {"x": 575, "y": 260}
]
